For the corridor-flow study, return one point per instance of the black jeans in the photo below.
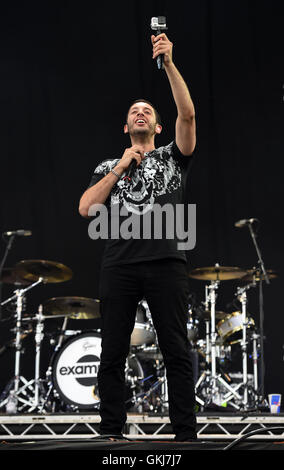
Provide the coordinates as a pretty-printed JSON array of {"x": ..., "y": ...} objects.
[{"x": 164, "y": 285}]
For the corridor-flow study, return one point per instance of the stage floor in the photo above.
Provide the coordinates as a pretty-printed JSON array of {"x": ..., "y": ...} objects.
[{"x": 143, "y": 432}]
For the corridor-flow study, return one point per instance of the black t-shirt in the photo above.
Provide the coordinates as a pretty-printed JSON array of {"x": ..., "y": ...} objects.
[{"x": 158, "y": 182}]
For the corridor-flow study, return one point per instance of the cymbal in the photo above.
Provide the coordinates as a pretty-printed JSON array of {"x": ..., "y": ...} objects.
[
  {"x": 76, "y": 308},
  {"x": 50, "y": 271},
  {"x": 12, "y": 276},
  {"x": 217, "y": 273},
  {"x": 255, "y": 275}
]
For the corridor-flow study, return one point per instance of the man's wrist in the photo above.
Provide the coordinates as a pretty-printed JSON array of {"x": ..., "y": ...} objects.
[
  {"x": 119, "y": 170},
  {"x": 115, "y": 173}
]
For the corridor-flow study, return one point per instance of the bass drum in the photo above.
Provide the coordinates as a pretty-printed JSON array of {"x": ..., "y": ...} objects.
[{"x": 75, "y": 370}]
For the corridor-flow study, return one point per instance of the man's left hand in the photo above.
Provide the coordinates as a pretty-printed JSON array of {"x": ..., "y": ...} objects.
[{"x": 162, "y": 45}]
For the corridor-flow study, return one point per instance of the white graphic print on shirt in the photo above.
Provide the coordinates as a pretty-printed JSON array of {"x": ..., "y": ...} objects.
[{"x": 157, "y": 174}]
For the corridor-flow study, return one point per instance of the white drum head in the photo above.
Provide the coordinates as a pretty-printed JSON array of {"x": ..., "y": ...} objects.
[{"x": 75, "y": 370}]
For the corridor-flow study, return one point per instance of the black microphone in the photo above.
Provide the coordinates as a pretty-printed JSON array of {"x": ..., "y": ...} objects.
[
  {"x": 158, "y": 24},
  {"x": 18, "y": 233},
  {"x": 130, "y": 170},
  {"x": 243, "y": 222}
]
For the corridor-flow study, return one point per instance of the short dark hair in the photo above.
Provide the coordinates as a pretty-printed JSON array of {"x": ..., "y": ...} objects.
[{"x": 157, "y": 115}]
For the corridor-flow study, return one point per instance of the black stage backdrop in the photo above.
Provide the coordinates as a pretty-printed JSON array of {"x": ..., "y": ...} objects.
[{"x": 68, "y": 74}]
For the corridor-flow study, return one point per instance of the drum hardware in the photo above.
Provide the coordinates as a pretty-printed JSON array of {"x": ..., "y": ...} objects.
[
  {"x": 134, "y": 379},
  {"x": 192, "y": 325},
  {"x": 242, "y": 296},
  {"x": 255, "y": 347},
  {"x": 14, "y": 388},
  {"x": 159, "y": 402},
  {"x": 215, "y": 384},
  {"x": 35, "y": 272},
  {"x": 2, "y": 264},
  {"x": 241, "y": 395},
  {"x": 62, "y": 333},
  {"x": 255, "y": 398},
  {"x": 38, "y": 340},
  {"x": 76, "y": 308},
  {"x": 155, "y": 397},
  {"x": 262, "y": 275}
]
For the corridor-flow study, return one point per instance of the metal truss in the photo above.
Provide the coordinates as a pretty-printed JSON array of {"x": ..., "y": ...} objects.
[{"x": 80, "y": 426}]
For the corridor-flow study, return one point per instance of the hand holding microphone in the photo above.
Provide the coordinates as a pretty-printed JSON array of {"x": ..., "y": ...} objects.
[
  {"x": 131, "y": 158},
  {"x": 162, "y": 47}
]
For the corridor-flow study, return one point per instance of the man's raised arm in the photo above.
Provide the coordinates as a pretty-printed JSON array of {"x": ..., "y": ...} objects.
[{"x": 185, "y": 123}]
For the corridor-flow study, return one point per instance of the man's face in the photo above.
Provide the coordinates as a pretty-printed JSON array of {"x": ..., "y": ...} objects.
[{"x": 141, "y": 120}]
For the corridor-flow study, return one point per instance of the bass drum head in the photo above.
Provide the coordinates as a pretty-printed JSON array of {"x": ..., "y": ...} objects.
[{"x": 75, "y": 370}]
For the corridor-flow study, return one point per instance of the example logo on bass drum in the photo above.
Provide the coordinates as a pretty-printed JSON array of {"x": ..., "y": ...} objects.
[{"x": 85, "y": 371}]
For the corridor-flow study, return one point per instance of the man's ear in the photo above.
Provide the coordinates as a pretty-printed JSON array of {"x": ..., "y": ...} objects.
[
  {"x": 125, "y": 129},
  {"x": 158, "y": 129}
]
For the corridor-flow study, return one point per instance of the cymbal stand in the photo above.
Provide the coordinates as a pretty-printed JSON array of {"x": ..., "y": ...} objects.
[
  {"x": 205, "y": 375},
  {"x": 242, "y": 295},
  {"x": 43, "y": 405},
  {"x": 13, "y": 388},
  {"x": 213, "y": 378},
  {"x": 255, "y": 338},
  {"x": 38, "y": 340},
  {"x": 62, "y": 333},
  {"x": 261, "y": 310}
]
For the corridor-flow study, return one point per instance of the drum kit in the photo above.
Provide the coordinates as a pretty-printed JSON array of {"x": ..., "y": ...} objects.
[
  {"x": 215, "y": 387},
  {"x": 70, "y": 380}
]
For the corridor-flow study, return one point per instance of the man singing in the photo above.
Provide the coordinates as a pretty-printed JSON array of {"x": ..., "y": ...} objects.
[{"x": 149, "y": 267}]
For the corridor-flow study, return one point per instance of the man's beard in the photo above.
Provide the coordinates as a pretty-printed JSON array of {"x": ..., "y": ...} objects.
[{"x": 145, "y": 133}]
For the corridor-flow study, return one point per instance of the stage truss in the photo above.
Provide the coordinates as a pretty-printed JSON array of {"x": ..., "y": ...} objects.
[{"x": 85, "y": 426}]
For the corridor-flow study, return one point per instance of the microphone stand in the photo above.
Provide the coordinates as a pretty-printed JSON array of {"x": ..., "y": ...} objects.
[
  {"x": 261, "y": 309},
  {"x": 8, "y": 248}
]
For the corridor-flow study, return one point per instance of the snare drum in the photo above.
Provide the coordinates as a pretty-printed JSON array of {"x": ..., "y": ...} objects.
[{"x": 230, "y": 328}]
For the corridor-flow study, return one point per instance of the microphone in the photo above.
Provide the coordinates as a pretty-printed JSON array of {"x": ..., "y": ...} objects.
[
  {"x": 243, "y": 222},
  {"x": 158, "y": 24},
  {"x": 18, "y": 233},
  {"x": 130, "y": 170}
]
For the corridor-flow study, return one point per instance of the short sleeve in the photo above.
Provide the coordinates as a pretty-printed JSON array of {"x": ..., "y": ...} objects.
[
  {"x": 96, "y": 177},
  {"x": 184, "y": 160},
  {"x": 102, "y": 170}
]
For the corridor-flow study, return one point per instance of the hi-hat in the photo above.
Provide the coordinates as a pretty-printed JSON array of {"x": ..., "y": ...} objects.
[
  {"x": 49, "y": 271},
  {"x": 217, "y": 273},
  {"x": 76, "y": 308}
]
